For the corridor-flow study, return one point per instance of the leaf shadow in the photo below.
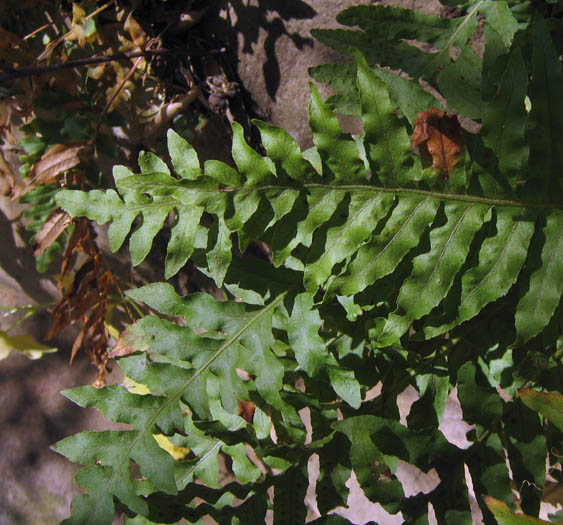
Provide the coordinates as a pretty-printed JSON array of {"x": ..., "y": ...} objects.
[
  {"x": 18, "y": 261},
  {"x": 271, "y": 16}
]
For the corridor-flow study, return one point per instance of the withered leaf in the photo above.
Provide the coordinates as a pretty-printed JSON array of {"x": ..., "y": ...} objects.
[
  {"x": 52, "y": 165},
  {"x": 7, "y": 180},
  {"x": 438, "y": 135},
  {"x": 56, "y": 224},
  {"x": 135, "y": 31},
  {"x": 82, "y": 296},
  {"x": 85, "y": 299},
  {"x": 246, "y": 410}
]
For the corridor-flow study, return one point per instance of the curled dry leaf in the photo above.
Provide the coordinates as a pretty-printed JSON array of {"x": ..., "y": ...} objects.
[
  {"x": 52, "y": 165},
  {"x": 438, "y": 135},
  {"x": 56, "y": 224},
  {"x": 7, "y": 180}
]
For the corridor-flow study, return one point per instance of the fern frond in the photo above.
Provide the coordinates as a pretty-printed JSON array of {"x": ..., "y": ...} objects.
[
  {"x": 385, "y": 270},
  {"x": 350, "y": 226}
]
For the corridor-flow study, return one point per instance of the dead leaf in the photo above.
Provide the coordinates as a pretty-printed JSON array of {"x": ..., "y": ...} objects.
[
  {"x": 439, "y": 136},
  {"x": 76, "y": 301},
  {"x": 7, "y": 181},
  {"x": 84, "y": 300},
  {"x": 56, "y": 224},
  {"x": 81, "y": 240},
  {"x": 136, "y": 32},
  {"x": 59, "y": 159},
  {"x": 246, "y": 410},
  {"x": 78, "y": 14}
]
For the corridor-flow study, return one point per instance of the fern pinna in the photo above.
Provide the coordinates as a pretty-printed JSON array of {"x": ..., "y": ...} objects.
[{"x": 385, "y": 271}]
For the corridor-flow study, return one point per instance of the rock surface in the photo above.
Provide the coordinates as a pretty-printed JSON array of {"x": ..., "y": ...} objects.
[{"x": 275, "y": 49}]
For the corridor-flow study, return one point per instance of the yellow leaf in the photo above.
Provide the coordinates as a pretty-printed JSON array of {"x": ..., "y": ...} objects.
[
  {"x": 78, "y": 14},
  {"x": 176, "y": 452},
  {"x": 134, "y": 387},
  {"x": 22, "y": 344}
]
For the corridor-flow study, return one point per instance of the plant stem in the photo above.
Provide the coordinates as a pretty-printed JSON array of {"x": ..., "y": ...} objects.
[{"x": 39, "y": 70}]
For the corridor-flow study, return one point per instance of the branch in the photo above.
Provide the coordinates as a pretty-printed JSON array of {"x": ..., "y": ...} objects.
[{"x": 39, "y": 70}]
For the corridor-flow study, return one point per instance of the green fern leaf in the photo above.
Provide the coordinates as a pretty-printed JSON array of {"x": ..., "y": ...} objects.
[
  {"x": 379, "y": 258},
  {"x": 324, "y": 226},
  {"x": 110, "y": 453},
  {"x": 388, "y": 145},
  {"x": 386, "y": 273},
  {"x": 433, "y": 272},
  {"x": 338, "y": 151},
  {"x": 184, "y": 157},
  {"x": 505, "y": 120},
  {"x": 407, "y": 97},
  {"x": 235, "y": 336},
  {"x": 460, "y": 83},
  {"x": 538, "y": 303},
  {"x": 501, "y": 258},
  {"x": 546, "y": 115},
  {"x": 97, "y": 506},
  {"x": 385, "y": 29},
  {"x": 500, "y": 18}
]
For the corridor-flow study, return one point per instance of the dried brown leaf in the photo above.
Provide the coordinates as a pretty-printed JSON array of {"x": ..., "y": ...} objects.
[
  {"x": 81, "y": 240},
  {"x": 85, "y": 299},
  {"x": 75, "y": 302},
  {"x": 56, "y": 224},
  {"x": 439, "y": 135},
  {"x": 7, "y": 181},
  {"x": 48, "y": 170},
  {"x": 246, "y": 410},
  {"x": 136, "y": 32}
]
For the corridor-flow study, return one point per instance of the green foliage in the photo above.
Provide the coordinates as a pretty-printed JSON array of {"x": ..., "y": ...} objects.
[{"x": 384, "y": 272}]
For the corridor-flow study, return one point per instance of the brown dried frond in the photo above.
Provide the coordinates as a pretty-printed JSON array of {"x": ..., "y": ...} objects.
[{"x": 85, "y": 298}]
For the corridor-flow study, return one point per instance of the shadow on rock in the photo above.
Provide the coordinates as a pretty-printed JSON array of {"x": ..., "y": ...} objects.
[
  {"x": 19, "y": 262},
  {"x": 247, "y": 21}
]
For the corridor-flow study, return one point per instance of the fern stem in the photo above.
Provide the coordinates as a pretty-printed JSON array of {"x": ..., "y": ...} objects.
[
  {"x": 473, "y": 199},
  {"x": 445, "y": 196}
]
